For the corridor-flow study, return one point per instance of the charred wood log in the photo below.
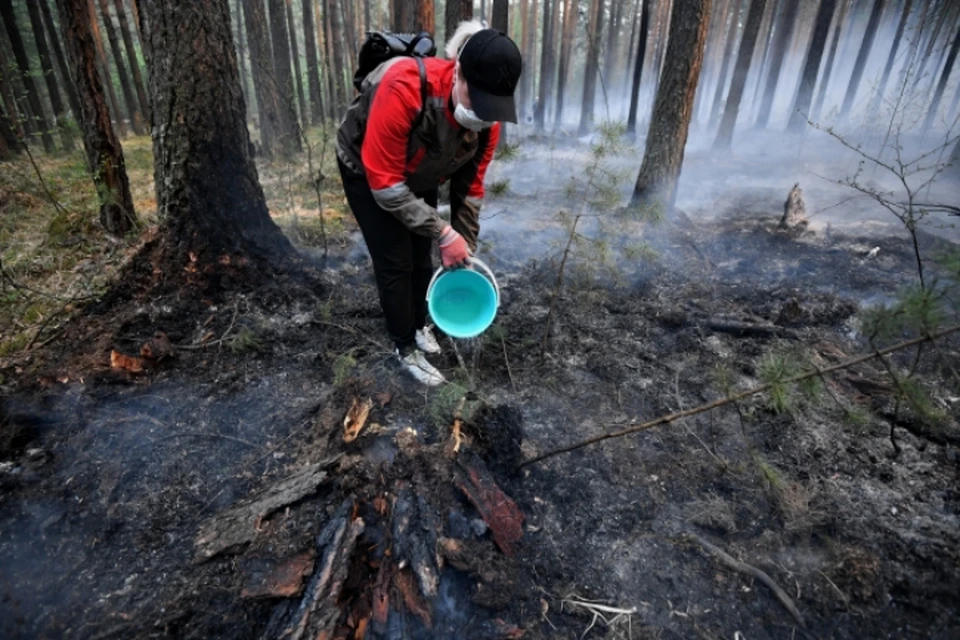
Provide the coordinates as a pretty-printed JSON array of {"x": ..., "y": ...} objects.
[{"x": 496, "y": 508}]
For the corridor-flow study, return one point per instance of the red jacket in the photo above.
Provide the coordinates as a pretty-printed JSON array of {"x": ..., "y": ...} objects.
[{"x": 377, "y": 138}]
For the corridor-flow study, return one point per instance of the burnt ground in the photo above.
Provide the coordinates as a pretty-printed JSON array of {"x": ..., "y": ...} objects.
[{"x": 106, "y": 476}]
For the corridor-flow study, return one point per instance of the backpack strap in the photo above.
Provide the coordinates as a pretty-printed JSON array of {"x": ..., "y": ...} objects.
[{"x": 423, "y": 91}]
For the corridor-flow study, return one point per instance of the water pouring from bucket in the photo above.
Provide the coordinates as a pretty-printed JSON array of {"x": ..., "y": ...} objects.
[{"x": 464, "y": 302}]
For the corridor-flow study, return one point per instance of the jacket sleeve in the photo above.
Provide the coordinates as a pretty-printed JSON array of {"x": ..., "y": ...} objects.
[
  {"x": 466, "y": 188},
  {"x": 384, "y": 152}
]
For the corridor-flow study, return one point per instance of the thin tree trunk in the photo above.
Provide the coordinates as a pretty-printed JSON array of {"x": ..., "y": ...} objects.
[
  {"x": 783, "y": 38},
  {"x": 721, "y": 87},
  {"x": 740, "y": 73},
  {"x": 10, "y": 103},
  {"x": 297, "y": 73},
  {"x": 673, "y": 110},
  {"x": 237, "y": 15},
  {"x": 500, "y": 19},
  {"x": 838, "y": 25},
  {"x": 613, "y": 35},
  {"x": 23, "y": 66},
  {"x": 634, "y": 25},
  {"x": 413, "y": 16},
  {"x": 131, "y": 50},
  {"x": 862, "y": 56},
  {"x": 523, "y": 94},
  {"x": 349, "y": 37},
  {"x": 325, "y": 38},
  {"x": 269, "y": 103},
  {"x": 46, "y": 64},
  {"x": 133, "y": 108},
  {"x": 594, "y": 35},
  {"x": 103, "y": 150},
  {"x": 288, "y": 133},
  {"x": 565, "y": 62},
  {"x": 801, "y": 106},
  {"x": 313, "y": 69},
  {"x": 712, "y": 57},
  {"x": 339, "y": 64},
  {"x": 942, "y": 85},
  {"x": 219, "y": 212},
  {"x": 766, "y": 42},
  {"x": 458, "y": 11},
  {"x": 66, "y": 82},
  {"x": 638, "y": 68},
  {"x": 9, "y": 143},
  {"x": 546, "y": 65},
  {"x": 118, "y": 115}
]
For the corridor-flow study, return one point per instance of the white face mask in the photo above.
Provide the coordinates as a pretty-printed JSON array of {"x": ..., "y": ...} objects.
[{"x": 466, "y": 117}]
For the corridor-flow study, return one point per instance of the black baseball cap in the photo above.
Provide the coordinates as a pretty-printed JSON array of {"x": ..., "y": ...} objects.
[{"x": 490, "y": 63}]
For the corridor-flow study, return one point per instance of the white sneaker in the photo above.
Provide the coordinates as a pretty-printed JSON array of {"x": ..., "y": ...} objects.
[
  {"x": 426, "y": 341},
  {"x": 420, "y": 368}
]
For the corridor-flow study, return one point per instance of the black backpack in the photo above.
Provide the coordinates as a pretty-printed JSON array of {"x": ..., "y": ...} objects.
[{"x": 381, "y": 46}]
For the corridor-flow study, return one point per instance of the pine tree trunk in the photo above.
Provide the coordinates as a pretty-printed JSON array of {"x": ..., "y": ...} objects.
[
  {"x": 103, "y": 150},
  {"x": 413, "y": 16},
  {"x": 297, "y": 72},
  {"x": 339, "y": 64},
  {"x": 269, "y": 103},
  {"x": 500, "y": 19},
  {"x": 46, "y": 64},
  {"x": 862, "y": 56},
  {"x": 288, "y": 134},
  {"x": 546, "y": 65},
  {"x": 131, "y": 50},
  {"x": 118, "y": 115},
  {"x": 218, "y": 214},
  {"x": 8, "y": 93},
  {"x": 594, "y": 36},
  {"x": 325, "y": 39},
  {"x": 942, "y": 85},
  {"x": 664, "y": 11},
  {"x": 673, "y": 109},
  {"x": 9, "y": 143},
  {"x": 712, "y": 57},
  {"x": 240, "y": 42},
  {"x": 638, "y": 68},
  {"x": 565, "y": 62},
  {"x": 313, "y": 69},
  {"x": 136, "y": 118},
  {"x": 766, "y": 46},
  {"x": 801, "y": 106},
  {"x": 349, "y": 38},
  {"x": 831, "y": 60},
  {"x": 720, "y": 89},
  {"x": 740, "y": 72},
  {"x": 66, "y": 82},
  {"x": 783, "y": 37},
  {"x": 456, "y": 12},
  {"x": 23, "y": 66},
  {"x": 613, "y": 37}
]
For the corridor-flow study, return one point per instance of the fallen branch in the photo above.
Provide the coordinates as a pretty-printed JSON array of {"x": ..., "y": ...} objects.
[
  {"x": 673, "y": 417},
  {"x": 744, "y": 568}
]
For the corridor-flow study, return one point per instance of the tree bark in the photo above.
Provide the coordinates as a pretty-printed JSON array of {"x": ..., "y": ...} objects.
[
  {"x": 46, "y": 64},
  {"x": 720, "y": 89},
  {"x": 740, "y": 73},
  {"x": 9, "y": 143},
  {"x": 638, "y": 68},
  {"x": 128, "y": 45},
  {"x": 349, "y": 36},
  {"x": 942, "y": 85},
  {"x": 766, "y": 45},
  {"x": 783, "y": 37},
  {"x": 208, "y": 194},
  {"x": 237, "y": 16},
  {"x": 288, "y": 134},
  {"x": 831, "y": 60},
  {"x": 339, "y": 64},
  {"x": 456, "y": 12},
  {"x": 313, "y": 70},
  {"x": 862, "y": 56},
  {"x": 811, "y": 67},
  {"x": 712, "y": 57},
  {"x": 23, "y": 66},
  {"x": 413, "y": 16},
  {"x": 297, "y": 75},
  {"x": 546, "y": 65},
  {"x": 594, "y": 35},
  {"x": 136, "y": 118},
  {"x": 663, "y": 158},
  {"x": 113, "y": 103},
  {"x": 103, "y": 150},
  {"x": 66, "y": 82},
  {"x": 613, "y": 38},
  {"x": 269, "y": 103},
  {"x": 500, "y": 19},
  {"x": 8, "y": 93},
  {"x": 565, "y": 63}
]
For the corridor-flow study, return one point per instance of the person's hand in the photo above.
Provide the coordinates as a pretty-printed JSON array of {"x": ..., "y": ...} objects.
[{"x": 454, "y": 252}]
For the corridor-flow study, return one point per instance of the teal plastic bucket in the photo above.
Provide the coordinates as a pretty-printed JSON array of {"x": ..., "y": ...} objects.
[{"x": 463, "y": 302}]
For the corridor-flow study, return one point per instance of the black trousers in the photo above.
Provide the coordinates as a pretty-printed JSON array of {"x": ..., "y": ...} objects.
[{"x": 402, "y": 260}]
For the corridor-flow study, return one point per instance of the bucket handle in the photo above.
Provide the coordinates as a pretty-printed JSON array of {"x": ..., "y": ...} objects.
[{"x": 473, "y": 262}]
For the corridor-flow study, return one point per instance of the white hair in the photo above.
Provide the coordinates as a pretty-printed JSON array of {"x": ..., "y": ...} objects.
[{"x": 460, "y": 37}]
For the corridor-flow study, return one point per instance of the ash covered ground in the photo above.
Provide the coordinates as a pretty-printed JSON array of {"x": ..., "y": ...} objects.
[{"x": 106, "y": 477}]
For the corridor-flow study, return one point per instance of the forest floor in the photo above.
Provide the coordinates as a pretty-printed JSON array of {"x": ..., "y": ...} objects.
[{"x": 107, "y": 475}]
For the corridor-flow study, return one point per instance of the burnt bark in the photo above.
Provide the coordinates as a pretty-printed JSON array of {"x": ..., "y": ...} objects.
[
  {"x": 23, "y": 66},
  {"x": 638, "y": 67},
  {"x": 742, "y": 69},
  {"x": 942, "y": 84},
  {"x": 663, "y": 158},
  {"x": 46, "y": 64},
  {"x": 594, "y": 35},
  {"x": 136, "y": 118},
  {"x": 131, "y": 50},
  {"x": 564, "y": 65},
  {"x": 811, "y": 66},
  {"x": 297, "y": 76},
  {"x": 313, "y": 69},
  {"x": 288, "y": 134},
  {"x": 269, "y": 104},
  {"x": 103, "y": 151},
  {"x": 782, "y": 41},
  {"x": 208, "y": 195},
  {"x": 66, "y": 82},
  {"x": 456, "y": 12},
  {"x": 720, "y": 89},
  {"x": 861, "y": 61},
  {"x": 831, "y": 60}
]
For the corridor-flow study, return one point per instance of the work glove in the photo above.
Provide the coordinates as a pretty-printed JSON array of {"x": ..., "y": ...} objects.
[{"x": 454, "y": 252}]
